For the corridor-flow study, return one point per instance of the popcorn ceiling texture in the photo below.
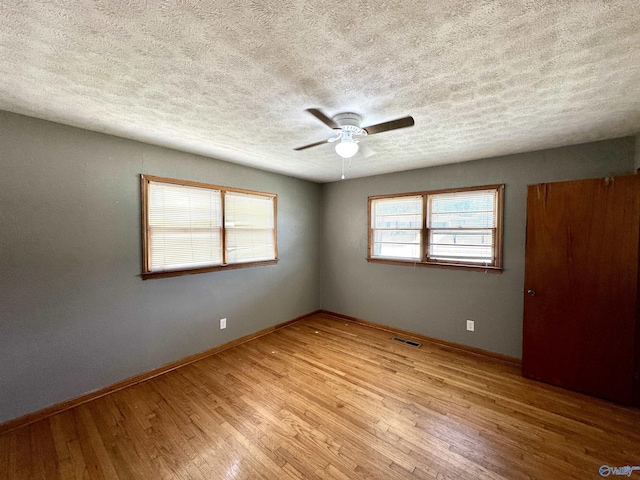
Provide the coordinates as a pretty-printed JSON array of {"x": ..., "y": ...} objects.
[{"x": 231, "y": 79}]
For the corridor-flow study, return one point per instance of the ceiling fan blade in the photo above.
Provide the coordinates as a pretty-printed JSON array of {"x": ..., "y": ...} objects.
[
  {"x": 323, "y": 118},
  {"x": 392, "y": 125},
  {"x": 311, "y": 145}
]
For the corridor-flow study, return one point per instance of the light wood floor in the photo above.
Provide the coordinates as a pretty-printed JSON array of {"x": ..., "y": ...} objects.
[{"x": 328, "y": 399}]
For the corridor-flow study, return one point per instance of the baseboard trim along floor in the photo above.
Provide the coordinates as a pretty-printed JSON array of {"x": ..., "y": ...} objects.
[
  {"x": 74, "y": 402},
  {"x": 424, "y": 338},
  {"x": 46, "y": 412}
]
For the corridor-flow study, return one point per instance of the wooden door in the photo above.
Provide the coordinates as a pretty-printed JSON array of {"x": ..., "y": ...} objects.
[{"x": 581, "y": 285}]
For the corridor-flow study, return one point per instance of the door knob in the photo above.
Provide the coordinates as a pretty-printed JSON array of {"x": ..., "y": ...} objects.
[{"x": 531, "y": 293}]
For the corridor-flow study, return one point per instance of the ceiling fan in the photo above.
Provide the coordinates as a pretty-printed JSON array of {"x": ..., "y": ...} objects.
[{"x": 347, "y": 125}]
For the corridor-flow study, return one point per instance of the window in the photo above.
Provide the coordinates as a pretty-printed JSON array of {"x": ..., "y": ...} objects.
[
  {"x": 396, "y": 224},
  {"x": 446, "y": 228},
  {"x": 191, "y": 227}
]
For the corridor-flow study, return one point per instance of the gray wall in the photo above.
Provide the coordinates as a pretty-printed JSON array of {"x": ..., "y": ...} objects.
[
  {"x": 436, "y": 302},
  {"x": 74, "y": 314}
]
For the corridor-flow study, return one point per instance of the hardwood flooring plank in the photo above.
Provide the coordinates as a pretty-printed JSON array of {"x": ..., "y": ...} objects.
[
  {"x": 120, "y": 436},
  {"x": 78, "y": 468},
  {"x": 63, "y": 431},
  {"x": 43, "y": 453},
  {"x": 96, "y": 457},
  {"x": 21, "y": 463}
]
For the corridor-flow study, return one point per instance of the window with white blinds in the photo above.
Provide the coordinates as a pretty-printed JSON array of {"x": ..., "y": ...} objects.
[
  {"x": 249, "y": 226},
  {"x": 396, "y": 227},
  {"x": 184, "y": 227},
  {"x": 190, "y": 226},
  {"x": 454, "y": 228},
  {"x": 462, "y": 226}
]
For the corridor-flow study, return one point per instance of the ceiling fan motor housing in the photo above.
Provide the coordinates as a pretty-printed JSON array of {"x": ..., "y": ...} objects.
[{"x": 350, "y": 122}]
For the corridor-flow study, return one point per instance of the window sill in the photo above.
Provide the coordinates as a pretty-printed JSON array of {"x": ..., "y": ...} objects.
[
  {"x": 217, "y": 268},
  {"x": 450, "y": 266}
]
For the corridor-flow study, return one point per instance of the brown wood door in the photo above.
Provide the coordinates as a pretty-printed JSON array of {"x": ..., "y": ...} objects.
[{"x": 581, "y": 285}]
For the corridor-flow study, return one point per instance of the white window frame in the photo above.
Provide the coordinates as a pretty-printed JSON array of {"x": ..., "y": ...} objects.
[
  {"x": 225, "y": 263},
  {"x": 495, "y": 231}
]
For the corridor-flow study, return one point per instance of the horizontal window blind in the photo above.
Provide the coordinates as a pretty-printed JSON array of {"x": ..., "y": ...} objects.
[
  {"x": 461, "y": 226},
  {"x": 249, "y": 227},
  {"x": 184, "y": 226},
  {"x": 396, "y": 227}
]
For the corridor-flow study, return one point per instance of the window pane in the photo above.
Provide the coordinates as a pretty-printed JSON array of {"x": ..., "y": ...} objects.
[
  {"x": 172, "y": 250},
  {"x": 462, "y": 220},
  {"x": 248, "y": 211},
  {"x": 459, "y": 253},
  {"x": 396, "y": 250},
  {"x": 398, "y": 205},
  {"x": 184, "y": 226},
  {"x": 462, "y": 201},
  {"x": 245, "y": 245},
  {"x": 462, "y": 226},
  {"x": 475, "y": 246},
  {"x": 397, "y": 222},
  {"x": 398, "y": 212},
  {"x": 397, "y": 236},
  {"x": 250, "y": 223},
  {"x": 474, "y": 209},
  {"x": 461, "y": 237}
]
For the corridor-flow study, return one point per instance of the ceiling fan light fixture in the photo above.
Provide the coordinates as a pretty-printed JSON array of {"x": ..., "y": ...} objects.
[{"x": 347, "y": 147}]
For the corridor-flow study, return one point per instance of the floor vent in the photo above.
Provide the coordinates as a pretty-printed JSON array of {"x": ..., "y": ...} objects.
[{"x": 407, "y": 342}]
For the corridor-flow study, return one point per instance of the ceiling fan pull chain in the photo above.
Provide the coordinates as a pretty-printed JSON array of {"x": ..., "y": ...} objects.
[{"x": 343, "y": 167}]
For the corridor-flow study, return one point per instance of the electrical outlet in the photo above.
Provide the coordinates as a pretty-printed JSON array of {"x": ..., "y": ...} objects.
[
  {"x": 223, "y": 323},
  {"x": 471, "y": 325}
]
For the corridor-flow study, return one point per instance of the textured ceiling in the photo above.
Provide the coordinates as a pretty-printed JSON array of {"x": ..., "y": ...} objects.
[{"x": 232, "y": 79}]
